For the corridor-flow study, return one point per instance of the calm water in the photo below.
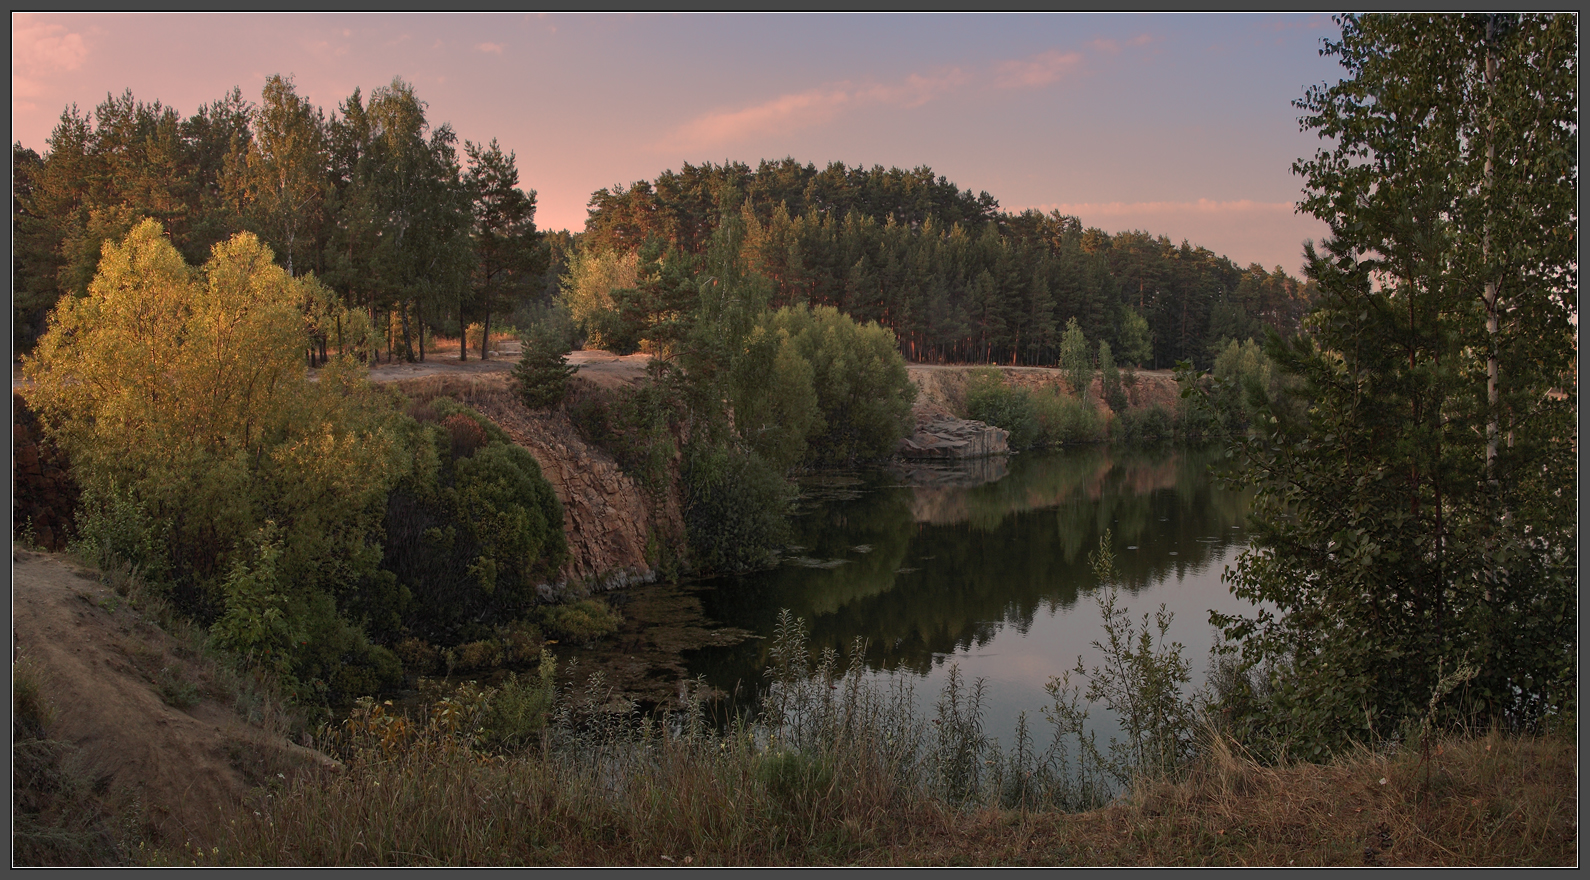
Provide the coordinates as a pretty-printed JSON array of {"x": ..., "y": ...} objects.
[{"x": 986, "y": 570}]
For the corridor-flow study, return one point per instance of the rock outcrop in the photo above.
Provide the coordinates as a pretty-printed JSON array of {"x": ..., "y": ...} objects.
[
  {"x": 608, "y": 518},
  {"x": 946, "y": 437}
]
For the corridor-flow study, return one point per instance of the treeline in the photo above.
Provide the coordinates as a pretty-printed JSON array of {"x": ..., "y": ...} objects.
[
  {"x": 371, "y": 199},
  {"x": 954, "y": 277},
  {"x": 420, "y": 236}
]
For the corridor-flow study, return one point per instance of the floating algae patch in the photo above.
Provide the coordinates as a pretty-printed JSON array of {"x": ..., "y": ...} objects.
[{"x": 644, "y": 659}]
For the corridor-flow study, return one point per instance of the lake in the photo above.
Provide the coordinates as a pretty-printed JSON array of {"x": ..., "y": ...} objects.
[{"x": 984, "y": 567}]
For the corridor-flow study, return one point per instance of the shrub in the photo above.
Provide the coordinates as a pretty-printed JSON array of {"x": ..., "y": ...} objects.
[
  {"x": 580, "y": 622},
  {"x": 1063, "y": 419},
  {"x": 542, "y": 375},
  {"x": 1034, "y": 418},
  {"x": 990, "y": 400},
  {"x": 469, "y": 540},
  {"x": 1144, "y": 426},
  {"x": 863, "y": 392},
  {"x": 734, "y": 509}
]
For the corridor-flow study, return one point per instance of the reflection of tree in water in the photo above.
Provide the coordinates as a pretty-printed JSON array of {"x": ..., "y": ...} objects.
[{"x": 984, "y": 557}]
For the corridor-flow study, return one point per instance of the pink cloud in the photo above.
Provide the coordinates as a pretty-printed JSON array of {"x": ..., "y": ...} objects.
[
  {"x": 45, "y": 48},
  {"x": 1038, "y": 70},
  {"x": 809, "y": 108},
  {"x": 490, "y": 47},
  {"x": 38, "y": 51}
]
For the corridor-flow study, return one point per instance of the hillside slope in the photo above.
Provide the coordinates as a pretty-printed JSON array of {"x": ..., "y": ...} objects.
[{"x": 157, "y": 731}]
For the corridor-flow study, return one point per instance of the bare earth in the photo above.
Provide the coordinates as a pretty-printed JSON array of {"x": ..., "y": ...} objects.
[{"x": 100, "y": 664}]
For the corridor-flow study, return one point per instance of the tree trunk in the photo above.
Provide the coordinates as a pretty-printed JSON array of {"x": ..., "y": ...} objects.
[
  {"x": 1492, "y": 389},
  {"x": 485, "y": 331},
  {"x": 463, "y": 333},
  {"x": 408, "y": 339}
]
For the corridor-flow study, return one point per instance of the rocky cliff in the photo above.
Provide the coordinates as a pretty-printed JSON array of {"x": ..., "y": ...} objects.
[{"x": 608, "y": 518}]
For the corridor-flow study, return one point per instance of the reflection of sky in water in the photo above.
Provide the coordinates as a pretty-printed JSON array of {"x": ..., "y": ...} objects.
[
  {"x": 993, "y": 576},
  {"x": 1017, "y": 665}
]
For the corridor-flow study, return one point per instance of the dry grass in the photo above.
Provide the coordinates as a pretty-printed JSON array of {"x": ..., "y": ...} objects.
[
  {"x": 1487, "y": 800},
  {"x": 1484, "y": 801},
  {"x": 830, "y": 785},
  {"x": 440, "y": 344}
]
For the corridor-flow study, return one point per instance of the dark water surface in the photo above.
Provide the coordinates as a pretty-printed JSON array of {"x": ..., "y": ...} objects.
[{"x": 984, "y": 567}]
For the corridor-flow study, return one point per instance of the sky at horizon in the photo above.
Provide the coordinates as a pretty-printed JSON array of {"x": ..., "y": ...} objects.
[{"x": 1177, "y": 125}]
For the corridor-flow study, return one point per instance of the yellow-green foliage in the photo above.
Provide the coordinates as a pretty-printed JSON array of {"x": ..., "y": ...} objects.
[
  {"x": 580, "y": 621},
  {"x": 587, "y": 290},
  {"x": 182, "y": 396}
]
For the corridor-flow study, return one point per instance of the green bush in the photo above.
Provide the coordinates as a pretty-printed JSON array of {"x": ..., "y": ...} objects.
[
  {"x": 468, "y": 538},
  {"x": 580, "y": 622},
  {"x": 1145, "y": 426},
  {"x": 990, "y": 400},
  {"x": 1063, "y": 419},
  {"x": 633, "y": 425},
  {"x": 1034, "y": 419},
  {"x": 734, "y": 509},
  {"x": 542, "y": 375},
  {"x": 863, "y": 392},
  {"x": 517, "y": 711}
]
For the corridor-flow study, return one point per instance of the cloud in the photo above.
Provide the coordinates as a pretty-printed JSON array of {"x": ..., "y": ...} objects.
[
  {"x": 1039, "y": 70},
  {"x": 490, "y": 47},
  {"x": 40, "y": 49},
  {"x": 812, "y": 107}
]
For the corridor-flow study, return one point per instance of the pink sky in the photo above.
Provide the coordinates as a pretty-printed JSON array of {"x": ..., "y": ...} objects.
[{"x": 1174, "y": 124}]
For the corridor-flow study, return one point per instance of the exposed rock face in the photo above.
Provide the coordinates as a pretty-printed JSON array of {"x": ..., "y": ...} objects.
[
  {"x": 946, "y": 437},
  {"x": 607, "y": 517}
]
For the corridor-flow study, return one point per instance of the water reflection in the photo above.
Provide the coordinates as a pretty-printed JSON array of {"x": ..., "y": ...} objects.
[{"x": 933, "y": 572}]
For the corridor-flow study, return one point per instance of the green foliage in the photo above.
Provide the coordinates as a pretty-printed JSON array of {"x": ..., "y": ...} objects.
[
  {"x": 587, "y": 292},
  {"x": 1064, "y": 420},
  {"x": 1137, "y": 341},
  {"x": 1144, "y": 426},
  {"x": 734, "y": 508},
  {"x": 863, "y": 393},
  {"x": 1143, "y": 681},
  {"x": 542, "y": 375},
  {"x": 1041, "y": 418},
  {"x": 1110, "y": 379},
  {"x": 517, "y": 712},
  {"x": 580, "y": 622},
  {"x": 183, "y": 398},
  {"x": 470, "y": 533},
  {"x": 634, "y": 425},
  {"x": 773, "y": 397},
  {"x": 112, "y": 528},
  {"x": 991, "y": 401},
  {"x": 255, "y": 624},
  {"x": 1074, "y": 360},
  {"x": 1414, "y": 517}
]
